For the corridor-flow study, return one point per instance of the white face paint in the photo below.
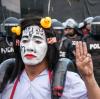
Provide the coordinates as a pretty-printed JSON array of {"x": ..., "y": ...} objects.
[{"x": 33, "y": 45}]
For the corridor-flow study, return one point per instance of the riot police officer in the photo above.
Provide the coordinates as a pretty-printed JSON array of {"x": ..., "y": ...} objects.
[
  {"x": 93, "y": 43},
  {"x": 6, "y": 45}
]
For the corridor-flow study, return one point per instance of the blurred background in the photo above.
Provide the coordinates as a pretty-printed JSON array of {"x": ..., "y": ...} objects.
[{"x": 59, "y": 9}]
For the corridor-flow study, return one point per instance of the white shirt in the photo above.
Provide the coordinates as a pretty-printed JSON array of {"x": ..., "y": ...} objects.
[{"x": 39, "y": 88}]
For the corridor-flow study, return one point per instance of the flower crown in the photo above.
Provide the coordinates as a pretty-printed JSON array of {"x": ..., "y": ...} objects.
[{"x": 45, "y": 23}]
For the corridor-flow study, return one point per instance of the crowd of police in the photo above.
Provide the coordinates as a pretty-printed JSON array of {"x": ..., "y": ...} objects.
[{"x": 67, "y": 34}]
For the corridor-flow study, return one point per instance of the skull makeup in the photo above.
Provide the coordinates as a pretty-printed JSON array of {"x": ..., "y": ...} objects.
[{"x": 33, "y": 45}]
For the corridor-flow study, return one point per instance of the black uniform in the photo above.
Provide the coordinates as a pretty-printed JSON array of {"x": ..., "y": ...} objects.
[
  {"x": 74, "y": 40},
  {"x": 93, "y": 45},
  {"x": 65, "y": 48},
  {"x": 6, "y": 43},
  {"x": 6, "y": 49}
]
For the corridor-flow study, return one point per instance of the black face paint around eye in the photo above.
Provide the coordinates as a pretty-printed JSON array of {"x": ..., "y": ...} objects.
[{"x": 22, "y": 48}]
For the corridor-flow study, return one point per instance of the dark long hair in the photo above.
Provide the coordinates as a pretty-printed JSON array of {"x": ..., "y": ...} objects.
[{"x": 16, "y": 70}]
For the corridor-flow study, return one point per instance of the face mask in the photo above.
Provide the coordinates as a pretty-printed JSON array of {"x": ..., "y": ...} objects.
[
  {"x": 33, "y": 45},
  {"x": 59, "y": 34}
]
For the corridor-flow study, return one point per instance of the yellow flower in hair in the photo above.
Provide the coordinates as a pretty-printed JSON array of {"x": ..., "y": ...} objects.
[
  {"x": 46, "y": 22},
  {"x": 16, "y": 30}
]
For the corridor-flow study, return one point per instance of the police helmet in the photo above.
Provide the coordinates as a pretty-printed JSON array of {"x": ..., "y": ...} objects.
[
  {"x": 70, "y": 23},
  {"x": 54, "y": 20},
  {"x": 81, "y": 25},
  {"x": 57, "y": 25},
  {"x": 58, "y": 29},
  {"x": 95, "y": 30},
  {"x": 7, "y": 24},
  {"x": 88, "y": 20}
]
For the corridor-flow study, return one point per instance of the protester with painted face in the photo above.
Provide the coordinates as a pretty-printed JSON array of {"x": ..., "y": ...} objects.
[
  {"x": 85, "y": 66},
  {"x": 35, "y": 59},
  {"x": 93, "y": 44}
]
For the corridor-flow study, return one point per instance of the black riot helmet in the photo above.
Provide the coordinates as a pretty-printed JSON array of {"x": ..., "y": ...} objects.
[
  {"x": 7, "y": 24},
  {"x": 58, "y": 29},
  {"x": 95, "y": 25}
]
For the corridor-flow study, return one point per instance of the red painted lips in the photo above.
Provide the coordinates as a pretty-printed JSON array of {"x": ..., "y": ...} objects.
[{"x": 30, "y": 56}]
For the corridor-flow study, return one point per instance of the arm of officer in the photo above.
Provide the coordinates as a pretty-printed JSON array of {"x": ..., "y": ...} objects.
[{"x": 85, "y": 67}]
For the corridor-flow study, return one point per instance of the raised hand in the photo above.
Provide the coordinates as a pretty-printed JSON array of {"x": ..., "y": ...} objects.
[{"x": 83, "y": 59}]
